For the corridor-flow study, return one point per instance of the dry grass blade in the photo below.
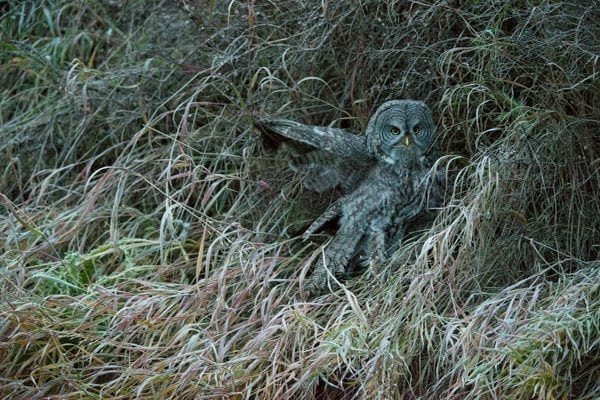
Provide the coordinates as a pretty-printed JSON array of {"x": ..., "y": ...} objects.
[{"x": 150, "y": 246}]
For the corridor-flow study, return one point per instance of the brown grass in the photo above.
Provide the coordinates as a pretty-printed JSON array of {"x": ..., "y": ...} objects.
[{"x": 149, "y": 244}]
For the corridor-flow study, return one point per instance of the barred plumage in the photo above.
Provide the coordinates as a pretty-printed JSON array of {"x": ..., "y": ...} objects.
[{"x": 383, "y": 175}]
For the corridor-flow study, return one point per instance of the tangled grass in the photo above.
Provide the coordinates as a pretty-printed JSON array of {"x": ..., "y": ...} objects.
[{"x": 149, "y": 244}]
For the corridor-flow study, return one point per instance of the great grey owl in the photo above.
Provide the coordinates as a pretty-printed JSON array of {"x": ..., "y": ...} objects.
[{"x": 384, "y": 177}]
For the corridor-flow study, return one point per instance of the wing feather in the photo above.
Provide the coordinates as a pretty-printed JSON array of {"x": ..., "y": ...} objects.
[
  {"x": 330, "y": 157},
  {"x": 337, "y": 141}
]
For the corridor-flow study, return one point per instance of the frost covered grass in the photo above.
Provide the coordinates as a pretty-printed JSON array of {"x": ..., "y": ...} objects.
[{"x": 149, "y": 244}]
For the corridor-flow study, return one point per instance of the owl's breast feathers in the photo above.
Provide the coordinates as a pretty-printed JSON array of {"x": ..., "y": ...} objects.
[{"x": 387, "y": 191}]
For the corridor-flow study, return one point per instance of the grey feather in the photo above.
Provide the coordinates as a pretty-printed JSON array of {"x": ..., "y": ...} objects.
[
  {"x": 329, "y": 157},
  {"x": 336, "y": 141},
  {"x": 384, "y": 175}
]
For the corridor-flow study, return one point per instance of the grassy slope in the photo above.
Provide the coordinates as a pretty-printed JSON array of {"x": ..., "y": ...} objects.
[{"x": 149, "y": 243}]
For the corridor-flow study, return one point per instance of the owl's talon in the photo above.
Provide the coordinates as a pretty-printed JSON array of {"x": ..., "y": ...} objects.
[
  {"x": 313, "y": 287},
  {"x": 322, "y": 279}
]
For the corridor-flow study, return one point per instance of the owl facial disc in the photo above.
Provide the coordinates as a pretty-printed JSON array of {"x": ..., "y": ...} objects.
[{"x": 400, "y": 131}]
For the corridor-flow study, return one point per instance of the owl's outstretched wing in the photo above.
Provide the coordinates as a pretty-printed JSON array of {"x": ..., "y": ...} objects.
[
  {"x": 336, "y": 141},
  {"x": 330, "y": 157}
]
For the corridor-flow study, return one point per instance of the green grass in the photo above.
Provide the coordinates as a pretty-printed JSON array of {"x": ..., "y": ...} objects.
[{"x": 150, "y": 246}]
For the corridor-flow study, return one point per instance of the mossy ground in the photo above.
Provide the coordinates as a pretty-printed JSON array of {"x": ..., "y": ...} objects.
[{"x": 149, "y": 243}]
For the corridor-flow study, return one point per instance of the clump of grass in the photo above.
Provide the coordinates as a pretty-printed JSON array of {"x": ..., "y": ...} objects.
[{"x": 150, "y": 244}]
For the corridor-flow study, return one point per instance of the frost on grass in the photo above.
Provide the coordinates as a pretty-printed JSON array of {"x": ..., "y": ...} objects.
[{"x": 150, "y": 243}]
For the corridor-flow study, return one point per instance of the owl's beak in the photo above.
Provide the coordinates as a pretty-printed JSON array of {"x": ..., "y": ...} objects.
[{"x": 407, "y": 140}]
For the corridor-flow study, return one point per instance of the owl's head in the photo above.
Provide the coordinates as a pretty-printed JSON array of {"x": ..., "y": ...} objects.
[{"x": 400, "y": 130}]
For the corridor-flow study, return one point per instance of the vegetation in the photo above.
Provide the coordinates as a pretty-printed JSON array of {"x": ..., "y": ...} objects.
[{"x": 149, "y": 244}]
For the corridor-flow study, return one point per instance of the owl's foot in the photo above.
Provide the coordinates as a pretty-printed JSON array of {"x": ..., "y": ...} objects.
[
  {"x": 323, "y": 277},
  {"x": 370, "y": 264},
  {"x": 374, "y": 272}
]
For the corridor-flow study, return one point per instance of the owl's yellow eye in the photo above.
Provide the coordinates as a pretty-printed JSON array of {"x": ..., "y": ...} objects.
[
  {"x": 416, "y": 129},
  {"x": 394, "y": 130}
]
